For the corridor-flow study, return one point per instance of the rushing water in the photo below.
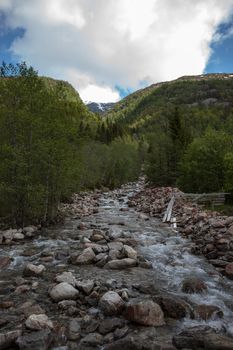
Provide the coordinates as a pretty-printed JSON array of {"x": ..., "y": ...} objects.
[{"x": 162, "y": 246}]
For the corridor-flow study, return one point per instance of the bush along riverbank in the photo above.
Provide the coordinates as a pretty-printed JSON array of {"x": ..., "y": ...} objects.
[{"x": 210, "y": 231}]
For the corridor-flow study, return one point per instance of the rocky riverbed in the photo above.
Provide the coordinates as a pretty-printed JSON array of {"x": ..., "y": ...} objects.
[
  {"x": 110, "y": 278},
  {"x": 211, "y": 232}
]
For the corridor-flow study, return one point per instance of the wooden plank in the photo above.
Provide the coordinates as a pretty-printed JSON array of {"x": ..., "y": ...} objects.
[
  {"x": 168, "y": 213},
  {"x": 170, "y": 209}
]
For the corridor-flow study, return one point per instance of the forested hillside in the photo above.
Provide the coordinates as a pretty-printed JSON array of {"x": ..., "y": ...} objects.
[
  {"x": 186, "y": 126},
  {"x": 51, "y": 146}
]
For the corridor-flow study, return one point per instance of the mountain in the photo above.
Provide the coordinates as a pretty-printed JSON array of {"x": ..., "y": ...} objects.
[
  {"x": 193, "y": 94},
  {"x": 100, "y": 108}
]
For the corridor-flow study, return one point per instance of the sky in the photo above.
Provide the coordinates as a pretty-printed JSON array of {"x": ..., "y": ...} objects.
[{"x": 109, "y": 48}]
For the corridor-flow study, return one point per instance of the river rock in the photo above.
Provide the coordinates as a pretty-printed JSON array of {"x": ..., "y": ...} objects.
[
  {"x": 202, "y": 337},
  {"x": 121, "y": 264},
  {"x": 63, "y": 291},
  {"x": 67, "y": 277},
  {"x": 115, "y": 232},
  {"x": 193, "y": 285},
  {"x": 129, "y": 252},
  {"x": 93, "y": 340},
  {"x": 39, "y": 340},
  {"x": 8, "y": 235},
  {"x": 110, "y": 324},
  {"x": 173, "y": 306},
  {"x": 191, "y": 338},
  {"x": 139, "y": 341},
  {"x": 4, "y": 261},
  {"x": 96, "y": 237},
  {"x": 144, "y": 312},
  {"x": 82, "y": 226},
  {"x": 8, "y": 339},
  {"x": 85, "y": 286},
  {"x": 229, "y": 270},
  {"x": 205, "y": 312},
  {"x": 74, "y": 329},
  {"x": 66, "y": 304},
  {"x": 230, "y": 230},
  {"x": 30, "y": 308},
  {"x": 38, "y": 322},
  {"x": 215, "y": 341},
  {"x": 31, "y": 270},
  {"x": 111, "y": 303},
  {"x": 29, "y": 229},
  {"x": 86, "y": 257},
  {"x": 18, "y": 236}
]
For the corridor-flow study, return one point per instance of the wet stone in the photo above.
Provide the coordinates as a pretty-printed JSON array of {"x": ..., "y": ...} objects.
[
  {"x": 31, "y": 270},
  {"x": 63, "y": 291},
  {"x": 205, "y": 312},
  {"x": 144, "y": 312},
  {"x": 74, "y": 330},
  {"x": 5, "y": 261},
  {"x": 193, "y": 285},
  {"x": 38, "y": 322},
  {"x": 111, "y": 303},
  {"x": 39, "y": 340}
]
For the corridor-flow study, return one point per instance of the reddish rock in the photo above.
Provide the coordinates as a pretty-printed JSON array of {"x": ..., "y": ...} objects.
[
  {"x": 205, "y": 312},
  {"x": 229, "y": 270},
  {"x": 144, "y": 312},
  {"x": 193, "y": 285},
  {"x": 4, "y": 261}
]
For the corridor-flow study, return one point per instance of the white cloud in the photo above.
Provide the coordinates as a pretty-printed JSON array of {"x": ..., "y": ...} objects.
[
  {"x": 97, "y": 93},
  {"x": 98, "y": 44}
]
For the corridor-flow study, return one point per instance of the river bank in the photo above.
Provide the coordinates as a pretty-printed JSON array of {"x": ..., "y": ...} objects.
[{"x": 210, "y": 231}]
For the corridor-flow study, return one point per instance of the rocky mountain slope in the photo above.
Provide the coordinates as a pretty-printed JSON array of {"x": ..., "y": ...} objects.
[{"x": 100, "y": 108}]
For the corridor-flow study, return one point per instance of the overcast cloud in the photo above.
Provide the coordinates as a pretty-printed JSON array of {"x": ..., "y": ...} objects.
[{"x": 100, "y": 44}]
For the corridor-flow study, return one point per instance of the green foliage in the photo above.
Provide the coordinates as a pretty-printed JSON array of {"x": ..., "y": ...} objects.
[
  {"x": 170, "y": 116},
  {"x": 202, "y": 168},
  {"x": 159, "y": 158},
  {"x": 48, "y": 149},
  {"x": 228, "y": 172}
]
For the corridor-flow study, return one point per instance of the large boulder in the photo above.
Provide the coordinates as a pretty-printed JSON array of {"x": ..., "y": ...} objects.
[
  {"x": 173, "y": 306},
  {"x": 111, "y": 303},
  {"x": 39, "y": 340},
  {"x": 86, "y": 257},
  {"x": 31, "y": 270},
  {"x": 144, "y": 312},
  {"x": 38, "y": 322},
  {"x": 8, "y": 339},
  {"x": 63, "y": 291},
  {"x": 121, "y": 264}
]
